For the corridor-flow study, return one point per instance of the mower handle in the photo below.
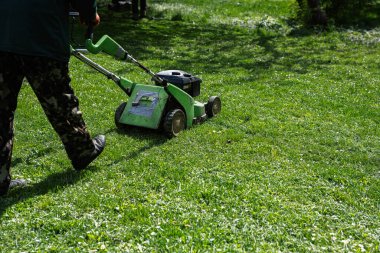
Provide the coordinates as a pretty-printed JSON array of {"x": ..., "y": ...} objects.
[
  {"x": 105, "y": 44},
  {"x": 111, "y": 47}
]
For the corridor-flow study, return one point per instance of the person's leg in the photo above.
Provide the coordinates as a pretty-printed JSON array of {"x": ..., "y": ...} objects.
[
  {"x": 114, "y": 6},
  {"x": 135, "y": 9},
  {"x": 50, "y": 82},
  {"x": 143, "y": 7},
  {"x": 10, "y": 83}
]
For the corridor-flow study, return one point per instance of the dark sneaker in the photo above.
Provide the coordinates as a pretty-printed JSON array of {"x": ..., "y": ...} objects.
[
  {"x": 13, "y": 184},
  {"x": 99, "y": 143},
  {"x": 17, "y": 183}
]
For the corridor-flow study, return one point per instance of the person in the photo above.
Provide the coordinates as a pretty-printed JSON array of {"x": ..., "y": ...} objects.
[
  {"x": 35, "y": 45},
  {"x": 117, "y": 5},
  {"x": 137, "y": 12}
]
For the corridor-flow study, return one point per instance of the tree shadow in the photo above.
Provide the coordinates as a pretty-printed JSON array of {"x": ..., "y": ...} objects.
[
  {"x": 362, "y": 18},
  {"x": 206, "y": 49},
  {"x": 210, "y": 48}
]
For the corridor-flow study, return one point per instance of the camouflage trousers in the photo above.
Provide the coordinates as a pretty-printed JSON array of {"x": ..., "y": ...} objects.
[{"x": 50, "y": 82}]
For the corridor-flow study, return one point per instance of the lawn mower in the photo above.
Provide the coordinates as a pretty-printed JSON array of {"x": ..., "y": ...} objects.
[{"x": 166, "y": 104}]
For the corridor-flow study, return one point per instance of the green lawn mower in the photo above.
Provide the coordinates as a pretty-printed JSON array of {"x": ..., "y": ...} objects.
[{"x": 166, "y": 104}]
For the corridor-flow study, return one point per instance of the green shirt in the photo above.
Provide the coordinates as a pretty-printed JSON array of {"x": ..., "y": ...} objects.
[{"x": 40, "y": 27}]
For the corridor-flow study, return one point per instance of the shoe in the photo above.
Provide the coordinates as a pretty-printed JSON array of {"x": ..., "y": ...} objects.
[
  {"x": 13, "y": 184},
  {"x": 17, "y": 183},
  {"x": 82, "y": 162}
]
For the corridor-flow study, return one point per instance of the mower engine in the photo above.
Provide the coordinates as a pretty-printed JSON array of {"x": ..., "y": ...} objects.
[{"x": 183, "y": 80}]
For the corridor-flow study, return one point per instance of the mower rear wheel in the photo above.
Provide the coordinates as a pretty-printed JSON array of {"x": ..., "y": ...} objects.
[
  {"x": 119, "y": 111},
  {"x": 174, "y": 122},
  {"x": 213, "y": 106}
]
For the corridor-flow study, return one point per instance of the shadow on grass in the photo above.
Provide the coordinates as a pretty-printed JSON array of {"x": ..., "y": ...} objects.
[
  {"x": 212, "y": 49},
  {"x": 208, "y": 48},
  {"x": 53, "y": 183},
  {"x": 216, "y": 48},
  {"x": 32, "y": 156},
  {"x": 155, "y": 139},
  {"x": 58, "y": 181}
]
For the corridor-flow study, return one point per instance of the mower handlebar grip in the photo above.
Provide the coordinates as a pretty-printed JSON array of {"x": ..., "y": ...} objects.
[{"x": 107, "y": 45}]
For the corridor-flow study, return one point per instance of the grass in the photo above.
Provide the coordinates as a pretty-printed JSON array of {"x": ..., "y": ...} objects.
[{"x": 291, "y": 164}]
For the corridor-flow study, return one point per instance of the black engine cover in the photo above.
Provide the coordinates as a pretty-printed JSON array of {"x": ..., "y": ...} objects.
[{"x": 183, "y": 80}]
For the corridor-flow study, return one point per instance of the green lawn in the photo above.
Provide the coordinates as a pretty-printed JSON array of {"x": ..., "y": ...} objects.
[{"x": 292, "y": 164}]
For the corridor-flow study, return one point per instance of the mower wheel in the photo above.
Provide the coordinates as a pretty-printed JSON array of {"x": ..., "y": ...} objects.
[
  {"x": 213, "y": 106},
  {"x": 174, "y": 122},
  {"x": 118, "y": 113}
]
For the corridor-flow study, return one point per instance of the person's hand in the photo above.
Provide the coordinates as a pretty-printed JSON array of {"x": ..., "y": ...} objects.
[{"x": 94, "y": 22}]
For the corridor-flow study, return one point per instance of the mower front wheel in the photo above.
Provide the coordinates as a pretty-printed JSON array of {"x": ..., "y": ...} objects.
[
  {"x": 213, "y": 106},
  {"x": 174, "y": 122},
  {"x": 119, "y": 111}
]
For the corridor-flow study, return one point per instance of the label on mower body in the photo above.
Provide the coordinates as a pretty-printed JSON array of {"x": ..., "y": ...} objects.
[
  {"x": 145, "y": 106},
  {"x": 144, "y": 103}
]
